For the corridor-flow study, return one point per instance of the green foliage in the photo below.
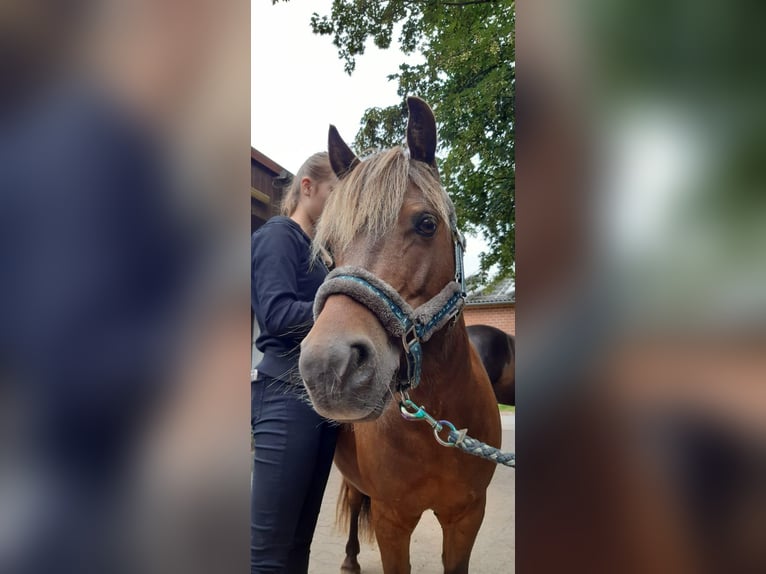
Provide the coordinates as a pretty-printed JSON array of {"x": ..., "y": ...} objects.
[
  {"x": 382, "y": 127},
  {"x": 467, "y": 75}
]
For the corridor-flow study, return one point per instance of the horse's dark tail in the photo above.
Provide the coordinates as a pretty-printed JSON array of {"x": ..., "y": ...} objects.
[{"x": 352, "y": 513}]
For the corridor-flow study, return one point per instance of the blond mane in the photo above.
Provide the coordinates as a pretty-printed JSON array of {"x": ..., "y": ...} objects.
[{"x": 368, "y": 200}]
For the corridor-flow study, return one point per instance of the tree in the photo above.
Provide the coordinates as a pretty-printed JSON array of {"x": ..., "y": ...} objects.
[{"x": 468, "y": 77}]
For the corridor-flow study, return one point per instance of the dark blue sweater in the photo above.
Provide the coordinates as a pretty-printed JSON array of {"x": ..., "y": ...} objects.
[{"x": 283, "y": 287}]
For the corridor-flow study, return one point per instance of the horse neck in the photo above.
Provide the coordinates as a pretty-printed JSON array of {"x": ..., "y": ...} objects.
[{"x": 446, "y": 362}]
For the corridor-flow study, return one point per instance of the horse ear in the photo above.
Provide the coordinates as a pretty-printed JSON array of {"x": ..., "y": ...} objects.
[
  {"x": 421, "y": 131},
  {"x": 342, "y": 159}
]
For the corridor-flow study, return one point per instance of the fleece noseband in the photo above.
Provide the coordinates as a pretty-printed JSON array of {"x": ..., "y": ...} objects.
[{"x": 414, "y": 326}]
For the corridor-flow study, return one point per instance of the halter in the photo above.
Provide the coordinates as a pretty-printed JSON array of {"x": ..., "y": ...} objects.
[{"x": 414, "y": 326}]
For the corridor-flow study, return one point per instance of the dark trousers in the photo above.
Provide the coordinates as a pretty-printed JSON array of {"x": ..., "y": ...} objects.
[{"x": 294, "y": 448}]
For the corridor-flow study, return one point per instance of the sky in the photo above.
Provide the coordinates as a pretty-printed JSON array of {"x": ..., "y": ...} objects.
[{"x": 299, "y": 88}]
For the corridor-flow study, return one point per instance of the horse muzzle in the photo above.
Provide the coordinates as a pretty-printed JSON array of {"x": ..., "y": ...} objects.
[{"x": 348, "y": 375}]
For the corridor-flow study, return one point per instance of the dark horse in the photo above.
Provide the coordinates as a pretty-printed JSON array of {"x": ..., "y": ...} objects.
[
  {"x": 391, "y": 229},
  {"x": 497, "y": 350}
]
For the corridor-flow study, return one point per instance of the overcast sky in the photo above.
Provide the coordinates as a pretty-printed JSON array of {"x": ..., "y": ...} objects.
[{"x": 299, "y": 88}]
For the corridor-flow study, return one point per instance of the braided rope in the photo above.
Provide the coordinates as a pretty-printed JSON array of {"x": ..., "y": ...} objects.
[
  {"x": 455, "y": 438},
  {"x": 477, "y": 448}
]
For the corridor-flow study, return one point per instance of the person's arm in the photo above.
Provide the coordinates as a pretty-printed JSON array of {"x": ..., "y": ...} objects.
[{"x": 275, "y": 271}]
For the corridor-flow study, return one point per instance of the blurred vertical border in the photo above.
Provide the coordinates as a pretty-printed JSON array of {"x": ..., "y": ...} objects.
[
  {"x": 641, "y": 292},
  {"x": 124, "y": 296}
]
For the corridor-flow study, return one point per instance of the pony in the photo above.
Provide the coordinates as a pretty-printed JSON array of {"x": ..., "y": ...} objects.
[
  {"x": 497, "y": 350},
  {"x": 388, "y": 323}
]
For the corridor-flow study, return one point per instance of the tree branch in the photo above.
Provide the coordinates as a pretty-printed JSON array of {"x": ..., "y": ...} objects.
[
  {"x": 438, "y": 3},
  {"x": 469, "y": 2}
]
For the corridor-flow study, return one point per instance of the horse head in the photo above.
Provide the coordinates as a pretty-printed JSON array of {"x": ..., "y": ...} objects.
[{"x": 389, "y": 223}]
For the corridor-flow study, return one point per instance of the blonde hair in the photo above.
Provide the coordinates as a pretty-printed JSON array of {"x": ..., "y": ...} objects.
[
  {"x": 317, "y": 168},
  {"x": 370, "y": 197}
]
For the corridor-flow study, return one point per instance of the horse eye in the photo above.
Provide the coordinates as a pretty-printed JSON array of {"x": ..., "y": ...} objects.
[{"x": 426, "y": 225}]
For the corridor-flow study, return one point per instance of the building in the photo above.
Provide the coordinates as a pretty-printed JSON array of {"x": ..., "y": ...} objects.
[
  {"x": 494, "y": 305},
  {"x": 267, "y": 182}
]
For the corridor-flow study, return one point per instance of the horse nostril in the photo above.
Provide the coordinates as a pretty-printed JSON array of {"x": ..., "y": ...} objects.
[
  {"x": 348, "y": 361},
  {"x": 360, "y": 353}
]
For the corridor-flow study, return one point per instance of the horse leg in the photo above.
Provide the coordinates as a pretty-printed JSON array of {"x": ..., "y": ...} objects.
[
  {"x": 459, "y": 531},
  {"x": 393, "y": 530},
  {"x": 351, "y": 500}
]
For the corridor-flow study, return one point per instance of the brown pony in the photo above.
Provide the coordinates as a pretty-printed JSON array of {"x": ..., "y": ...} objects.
[
  {"x": 391, "y": 221},
  {"x": 497, "y": 351}
]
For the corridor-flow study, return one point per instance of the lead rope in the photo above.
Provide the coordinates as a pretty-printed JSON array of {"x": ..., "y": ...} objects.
[{"x": 455, "y": 438}]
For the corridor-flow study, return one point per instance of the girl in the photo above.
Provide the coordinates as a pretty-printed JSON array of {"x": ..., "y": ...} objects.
[{"x": 294, "y": 446}]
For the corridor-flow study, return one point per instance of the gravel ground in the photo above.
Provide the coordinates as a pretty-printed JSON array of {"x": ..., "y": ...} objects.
[{"x": 493, "y": 553}]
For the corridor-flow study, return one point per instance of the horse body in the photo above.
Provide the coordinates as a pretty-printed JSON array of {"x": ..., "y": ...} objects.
[
  {"x": 390, "y": 220},
  {"x": 405, "y": 472},
  {"x": 497, "y": 350}
]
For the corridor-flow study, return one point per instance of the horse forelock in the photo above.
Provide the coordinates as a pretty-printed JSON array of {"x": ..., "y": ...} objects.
[{"x": 368, "y": 200}]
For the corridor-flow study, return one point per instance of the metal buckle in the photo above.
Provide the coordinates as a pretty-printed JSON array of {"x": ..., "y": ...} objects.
[
  {"x": 454, "y": 317},
  {"x": 413, "y": 356},
  {"x": 409, "y": 338}
]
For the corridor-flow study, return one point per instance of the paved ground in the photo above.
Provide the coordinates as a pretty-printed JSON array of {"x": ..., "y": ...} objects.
[{"x": 493, "y": 553}]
